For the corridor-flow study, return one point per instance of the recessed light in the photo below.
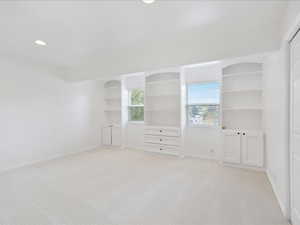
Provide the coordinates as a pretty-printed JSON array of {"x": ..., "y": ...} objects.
[
  {"x": 40, "y": 42},
  {"x": 148, "y": 1}
]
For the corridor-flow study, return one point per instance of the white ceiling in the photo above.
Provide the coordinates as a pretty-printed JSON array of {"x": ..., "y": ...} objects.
[{"x": 98, "y": 39}]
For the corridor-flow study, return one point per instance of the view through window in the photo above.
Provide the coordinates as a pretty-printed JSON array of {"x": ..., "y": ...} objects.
[
  {"x": 203, "y": 103},
  {"x": 136, "y": 105}
]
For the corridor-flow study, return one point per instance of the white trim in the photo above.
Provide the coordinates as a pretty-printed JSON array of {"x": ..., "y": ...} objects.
[
  {"x": 57, "y": 156},
  {"x": 276, "y": 192}
]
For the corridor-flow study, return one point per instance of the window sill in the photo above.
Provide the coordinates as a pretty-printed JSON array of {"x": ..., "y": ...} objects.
[
  {"x": 204, "y": 126},
  {"x": 136, "y": 122}
]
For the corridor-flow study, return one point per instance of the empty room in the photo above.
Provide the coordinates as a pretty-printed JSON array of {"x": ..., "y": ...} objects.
[{"x": 150, "y": 112}]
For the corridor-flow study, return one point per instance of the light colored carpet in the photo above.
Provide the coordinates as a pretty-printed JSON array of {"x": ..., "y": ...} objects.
[{"x": 135, "y": 188}]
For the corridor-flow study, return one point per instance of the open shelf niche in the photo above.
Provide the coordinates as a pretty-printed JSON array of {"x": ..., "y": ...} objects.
[
  {"x": 112, "y": 93},
  {"x": 162, "y": 99},
  {"x": 242, "y": 96}
]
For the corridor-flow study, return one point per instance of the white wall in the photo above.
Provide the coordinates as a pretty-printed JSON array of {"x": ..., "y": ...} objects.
[
  {"x": 277, "y": 110},
  {"x": 203, "y": 142},
  {"x": 276, "y": 125},
  {"x": 43, "y": 117}
]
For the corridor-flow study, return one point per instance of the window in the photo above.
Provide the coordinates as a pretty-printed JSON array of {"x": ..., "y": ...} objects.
[
  {"x": 203, "y": 103},
  {"x": 136, "y": 105}
]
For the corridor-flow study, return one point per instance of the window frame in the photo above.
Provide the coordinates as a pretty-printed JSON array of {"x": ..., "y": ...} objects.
[
  {"x": 188, "y": 124},
  {"x": 129, "y": 106}
]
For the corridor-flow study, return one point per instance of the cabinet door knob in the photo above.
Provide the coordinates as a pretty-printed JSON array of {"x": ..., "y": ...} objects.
[
  {"x": 244, "y": 134},
  {"x": 160, "y": 149},
  {"x": 160, "y": 139},
  {"x": 238, "y": 133},
  {"x": 160, "y": 130}
]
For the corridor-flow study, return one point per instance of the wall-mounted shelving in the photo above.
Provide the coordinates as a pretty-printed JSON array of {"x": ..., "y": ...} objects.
[
  {"x": 112, "y": 100},
  {"x": 162, "y": 99},
  {"x": 242, "y": 96}
]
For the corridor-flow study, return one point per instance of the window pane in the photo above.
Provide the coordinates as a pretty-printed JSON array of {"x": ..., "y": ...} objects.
[
  {"x": 203, "y": 115},
  {"x": 203, "y": 93},
  {"x": 136, "y": 113},
  {"x": 136, "y": 97}
]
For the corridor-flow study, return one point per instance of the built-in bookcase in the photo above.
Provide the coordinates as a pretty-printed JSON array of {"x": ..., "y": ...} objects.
[
  {"x": 112, "y": 102},
  {"x": 162, "y": 99},
  {"x": 242, "y": 96}
]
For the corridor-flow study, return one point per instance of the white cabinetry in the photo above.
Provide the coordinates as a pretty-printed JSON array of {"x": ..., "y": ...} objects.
[
  {"x": 243, "y": 147},
  {"x": 111, "y": 136},
  {"x": 162, "y": 139},
  {"x": 163, "y": 112},
  {"x": 252, "y": 148},
  {"x": 242, "y": 114},
  {"x": 106, "y": 135},
  {"x": 231, "y": 146},
  {"x": 111, "y": 131}
]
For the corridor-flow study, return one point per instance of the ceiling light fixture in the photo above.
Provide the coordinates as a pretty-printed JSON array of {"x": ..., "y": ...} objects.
[
  {"x": 40, "y": 42},
  {"x": 148, "y": 1}
]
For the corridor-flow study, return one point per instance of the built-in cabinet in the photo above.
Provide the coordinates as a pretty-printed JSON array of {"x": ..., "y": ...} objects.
[
  {"x": 111, "y": 130},
  {"x": 111, "y": 136},
  {"x": 244, "y": 148},
  {"x": 242, "y": 114},
  {"x": 162, "y": 112}
]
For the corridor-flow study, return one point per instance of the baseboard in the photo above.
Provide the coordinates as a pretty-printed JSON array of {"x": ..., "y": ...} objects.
[
  {"x": 239, "y": 166},
  {"x": 282, "y": 206},
  {"x": 57, "y": 156}
]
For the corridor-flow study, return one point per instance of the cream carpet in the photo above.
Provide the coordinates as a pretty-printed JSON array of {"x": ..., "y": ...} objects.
[{"x": 135, "y": 188}]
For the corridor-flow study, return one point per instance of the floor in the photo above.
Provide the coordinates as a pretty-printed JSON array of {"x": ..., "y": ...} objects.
[{"x": 135, "y": 188}]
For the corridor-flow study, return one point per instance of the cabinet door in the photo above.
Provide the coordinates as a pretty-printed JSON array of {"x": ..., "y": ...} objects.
[
  {"x": 252, "y": 148},
  {"x": 231, "y": 146},
  {"x": 106, "y": 135},
  {"x": 116, "y": 136}
]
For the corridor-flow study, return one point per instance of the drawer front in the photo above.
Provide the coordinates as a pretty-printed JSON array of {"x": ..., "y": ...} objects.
[
  {"x": 174, "y": 132},
  {"x": 162, "y": 148},
  {"x": 163, "y": 140}
]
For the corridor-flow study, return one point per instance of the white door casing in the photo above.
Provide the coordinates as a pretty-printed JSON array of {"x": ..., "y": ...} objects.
[{"x": 295, "y": 130}]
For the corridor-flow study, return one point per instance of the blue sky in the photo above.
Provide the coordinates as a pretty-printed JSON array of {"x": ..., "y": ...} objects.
[{"x": 204, "y": 93}]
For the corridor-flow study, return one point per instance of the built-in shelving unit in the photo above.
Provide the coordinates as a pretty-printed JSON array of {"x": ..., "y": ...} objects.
[
  {"x": 112, "y": 99},
  {"x": 242, "y": 96},
  {"x": 242, "y": 112},
  {"x": 162, "y": 100},
  {"x": 162, "y": 112}
]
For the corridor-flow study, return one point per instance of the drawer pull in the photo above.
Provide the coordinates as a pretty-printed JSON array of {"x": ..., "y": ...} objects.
[
  {"x": 160, "y": 139},
  {"x": 160, "y": 131}
]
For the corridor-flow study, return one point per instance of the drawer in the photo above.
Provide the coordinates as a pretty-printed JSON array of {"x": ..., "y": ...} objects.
[
  {"x": 162, "y": 148},
  {"x": 163, "y": 140},
  {"x": 174, "y": 132}
]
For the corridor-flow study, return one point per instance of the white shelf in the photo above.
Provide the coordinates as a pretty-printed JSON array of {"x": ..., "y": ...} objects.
[
  {"x": 241, "y": 108},
  {"x": 243, "y": 74},
  {"x": 164, "y": 95},
  {"x": 242, "y": 90}
]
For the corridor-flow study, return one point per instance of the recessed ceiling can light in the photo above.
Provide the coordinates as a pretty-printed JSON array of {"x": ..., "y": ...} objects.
[
  {"x": 40, "y": 42},
  {"x": 148, "y": 1}
]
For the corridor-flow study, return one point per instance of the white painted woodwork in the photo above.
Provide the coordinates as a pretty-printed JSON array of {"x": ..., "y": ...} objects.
[
  {"x": 116, "y": 136},
  {"x": 242, "y": 96},
  {"x": 252, "y": 148},
  {"x": 295, "y": 130},
  {"x": 165, "y": 131},
  {"x": 243, "y": 147},
  {"x": 231, "y": 146},
  {"x": 106, "y": 135}
]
